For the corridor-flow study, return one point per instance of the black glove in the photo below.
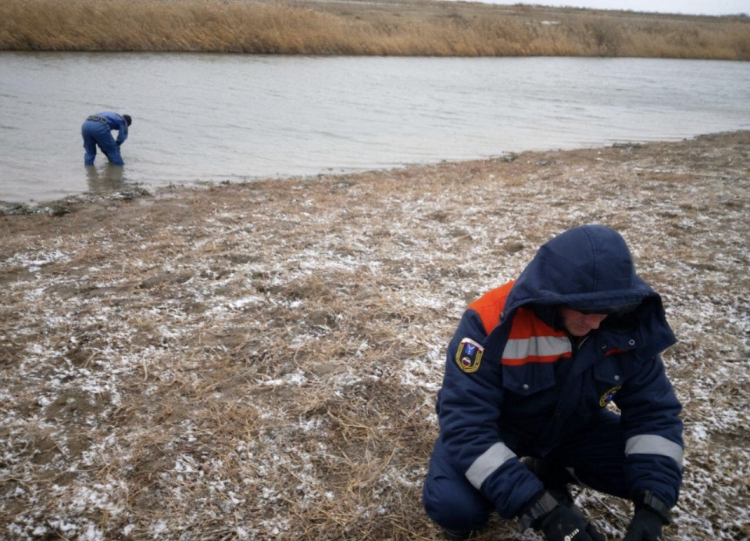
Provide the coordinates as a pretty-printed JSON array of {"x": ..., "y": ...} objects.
[
  {"x": 645, "y": 526},
  {"x": 557, "y": 522},
  {"x": 564, "y": 524},
  {"x": 650, "y": 515}
]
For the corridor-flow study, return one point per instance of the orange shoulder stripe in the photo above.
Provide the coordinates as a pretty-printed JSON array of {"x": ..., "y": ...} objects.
[
  {"x": 531, "y": 340},
  {"x": 490, "y": 305},
  {"x": 526, "y": 325}
]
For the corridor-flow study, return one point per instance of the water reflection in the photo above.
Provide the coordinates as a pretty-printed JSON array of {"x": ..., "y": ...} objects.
[{"x": 105, "y": 178}]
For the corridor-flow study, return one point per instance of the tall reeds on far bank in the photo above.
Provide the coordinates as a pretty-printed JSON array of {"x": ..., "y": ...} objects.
[{"x": 299, "y": 28}]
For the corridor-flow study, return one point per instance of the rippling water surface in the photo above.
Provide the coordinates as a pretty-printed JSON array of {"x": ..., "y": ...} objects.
[{"x": 201, "y": 117}]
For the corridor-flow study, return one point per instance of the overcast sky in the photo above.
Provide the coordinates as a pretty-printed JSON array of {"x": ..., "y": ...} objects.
[{"x": 692, "y": 7}]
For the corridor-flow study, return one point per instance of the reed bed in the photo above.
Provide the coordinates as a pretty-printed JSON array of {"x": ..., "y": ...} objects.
[{"x": 397, "y": 29}]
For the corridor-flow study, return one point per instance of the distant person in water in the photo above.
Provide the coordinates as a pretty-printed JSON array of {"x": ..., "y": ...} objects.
[{"x": 97, "y": 130}]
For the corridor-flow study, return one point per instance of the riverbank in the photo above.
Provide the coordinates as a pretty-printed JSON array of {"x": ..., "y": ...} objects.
[
  {"x": 260, "y": 360},
  {"x": 398, "y": 28}
]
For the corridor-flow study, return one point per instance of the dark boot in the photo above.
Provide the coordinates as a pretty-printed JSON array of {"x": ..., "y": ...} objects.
[{"x": 457, "y": 535}]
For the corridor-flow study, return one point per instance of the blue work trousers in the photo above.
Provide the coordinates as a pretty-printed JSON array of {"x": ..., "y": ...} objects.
[
  {"x": 596, "y": 456},
  {"x": 96, "y": 133}
]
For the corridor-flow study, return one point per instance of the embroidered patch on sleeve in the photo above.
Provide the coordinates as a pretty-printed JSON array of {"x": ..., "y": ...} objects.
[
  {"x": 609, "y": 396},
  {"x": 469, "y": 355}
]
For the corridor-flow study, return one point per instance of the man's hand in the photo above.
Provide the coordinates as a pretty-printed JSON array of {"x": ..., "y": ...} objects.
[
  {"x": 645, "y": 526},
  {"x": 650, "y": 515},
  {"x": 562, "y": 524},
  {"x": 558, "y": 522}
]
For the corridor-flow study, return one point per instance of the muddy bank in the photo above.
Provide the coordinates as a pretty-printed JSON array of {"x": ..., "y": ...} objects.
[{"x": 259, "y": 361}]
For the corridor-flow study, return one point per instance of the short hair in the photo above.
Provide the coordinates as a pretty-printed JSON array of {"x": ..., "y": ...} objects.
[{"x": 128, "y": 119}]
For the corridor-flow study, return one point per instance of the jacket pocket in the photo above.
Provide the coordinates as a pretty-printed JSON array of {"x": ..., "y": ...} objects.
[
  {"x": 612, "y": 369},
  {"x": 529, "y": 378},
  {"x": 609, "y": 375}
]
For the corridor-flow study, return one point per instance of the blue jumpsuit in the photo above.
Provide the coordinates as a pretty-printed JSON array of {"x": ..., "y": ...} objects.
[
  {"x": 516, "y": 384},
  {"x": 96, "y": 130}
]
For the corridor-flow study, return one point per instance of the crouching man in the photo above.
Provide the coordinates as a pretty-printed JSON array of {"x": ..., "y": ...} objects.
[{"x": 523, "y": 406}]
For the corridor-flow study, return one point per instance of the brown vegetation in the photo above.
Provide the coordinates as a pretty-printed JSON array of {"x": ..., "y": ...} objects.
[
  {"x": 260, "y": 361},
  {"x": 364, "y": 28}
]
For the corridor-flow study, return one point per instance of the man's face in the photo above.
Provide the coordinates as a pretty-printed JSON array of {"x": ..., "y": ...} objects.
[{"x": 579, "y": 324}]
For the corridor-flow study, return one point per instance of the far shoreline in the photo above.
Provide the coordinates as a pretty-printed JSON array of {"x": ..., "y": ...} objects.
[{"x": 360, "y": 28}]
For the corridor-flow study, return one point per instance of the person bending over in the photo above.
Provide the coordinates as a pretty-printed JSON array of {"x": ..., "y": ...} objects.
[{"x": 97, "y": 130}]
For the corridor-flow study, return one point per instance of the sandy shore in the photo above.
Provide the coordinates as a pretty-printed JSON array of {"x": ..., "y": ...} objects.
[{"x": 260, "y": 361}]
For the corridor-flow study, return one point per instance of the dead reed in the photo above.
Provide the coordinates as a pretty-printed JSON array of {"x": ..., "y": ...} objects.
[{"x": 408, "y": 29}]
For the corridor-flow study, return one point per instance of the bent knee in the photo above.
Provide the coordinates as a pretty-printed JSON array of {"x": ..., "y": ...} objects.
[{"x": 454, "y": 506}]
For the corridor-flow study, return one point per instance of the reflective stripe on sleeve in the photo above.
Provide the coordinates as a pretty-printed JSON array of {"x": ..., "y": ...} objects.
[
  {"x": 488, "y": 462},
  {"x": 649, "y": 444},
  {"x": 536, "y": 349}
]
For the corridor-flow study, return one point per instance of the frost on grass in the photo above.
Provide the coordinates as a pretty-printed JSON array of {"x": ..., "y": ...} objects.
[{"x": 260, "y": 361}]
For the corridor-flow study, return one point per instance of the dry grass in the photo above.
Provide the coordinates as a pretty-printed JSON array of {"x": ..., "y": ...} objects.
[
  {"x": 363, "y": 28},
  {"x": 260, "y": 361}
]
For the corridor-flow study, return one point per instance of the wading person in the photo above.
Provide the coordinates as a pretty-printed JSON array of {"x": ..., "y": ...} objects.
[
  {"x": 97, "y": 130},
  {"x": 523, "y": 409}
]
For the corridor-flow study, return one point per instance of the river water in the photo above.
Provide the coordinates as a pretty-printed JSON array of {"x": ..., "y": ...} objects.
[{"x": 205, "y": 117}]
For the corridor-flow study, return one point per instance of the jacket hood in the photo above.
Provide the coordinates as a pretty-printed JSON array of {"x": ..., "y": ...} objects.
[{"x": 585, "y": 268}]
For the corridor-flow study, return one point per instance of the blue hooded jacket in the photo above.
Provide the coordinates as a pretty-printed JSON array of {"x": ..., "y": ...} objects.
[{"x": 516, "y": 382}]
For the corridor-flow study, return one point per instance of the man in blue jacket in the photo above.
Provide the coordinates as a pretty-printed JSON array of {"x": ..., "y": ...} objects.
[
  {"x": 523, "y": 409},
  {"x": 97, "y": 130}
]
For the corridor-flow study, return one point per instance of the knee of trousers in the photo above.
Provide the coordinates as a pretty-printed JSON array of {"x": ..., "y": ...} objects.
[{"x": 455, "y": 505}]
